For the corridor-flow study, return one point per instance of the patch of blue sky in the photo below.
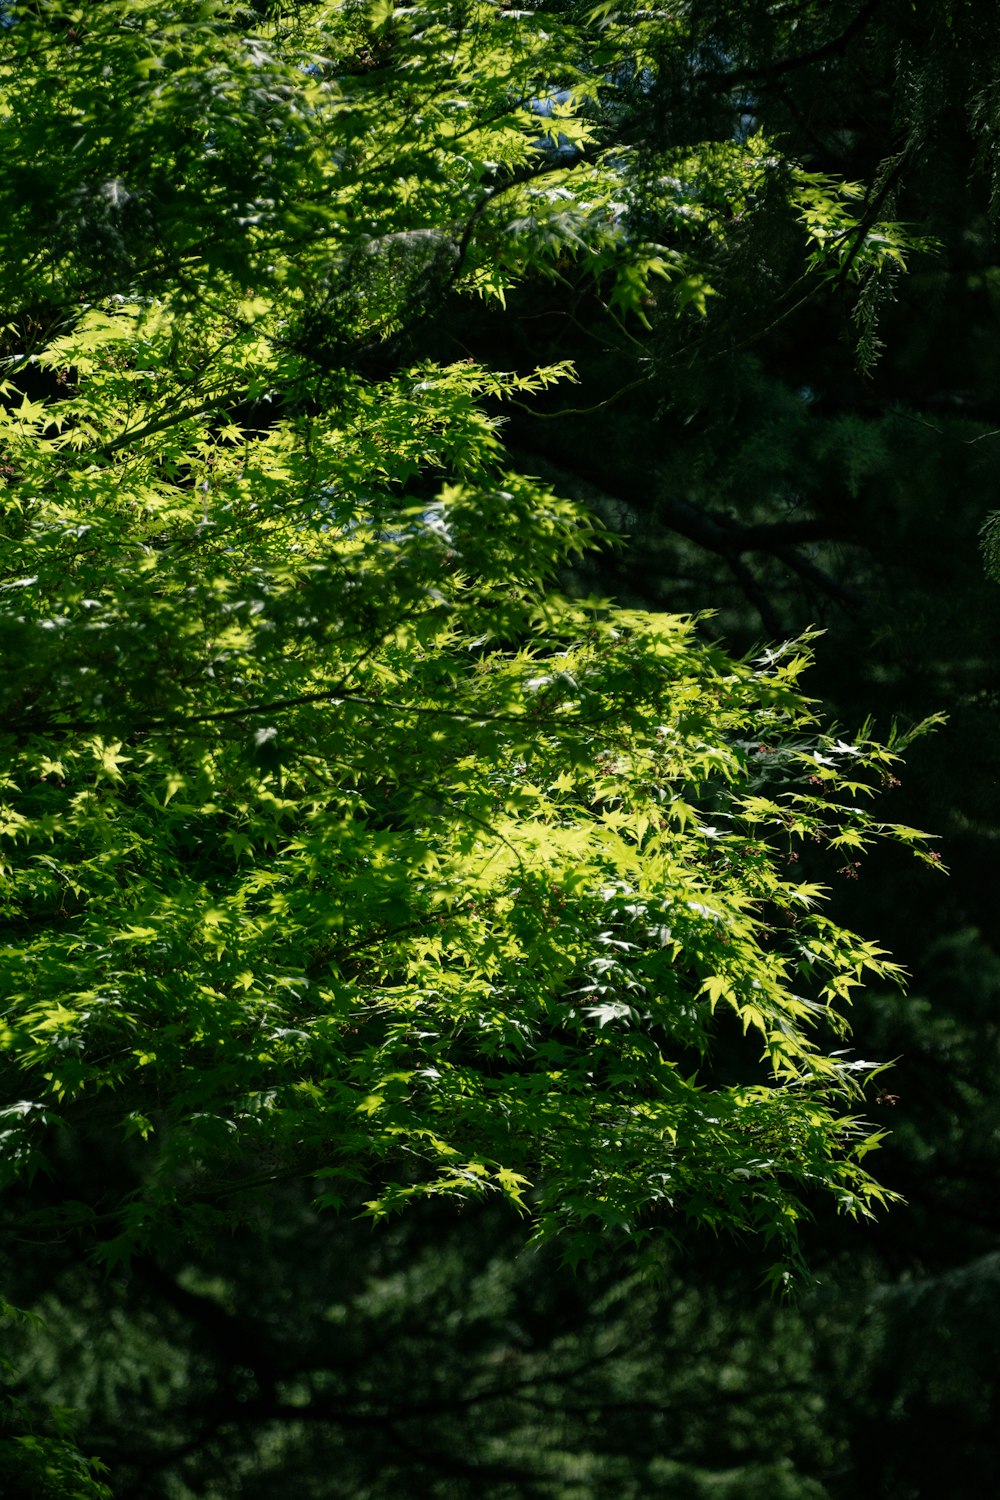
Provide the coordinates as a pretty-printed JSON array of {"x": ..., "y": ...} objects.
[{"x": 556, "y": 148}]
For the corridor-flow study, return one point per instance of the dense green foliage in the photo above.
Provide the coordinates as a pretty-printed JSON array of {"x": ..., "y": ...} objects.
[
  {"x": 353, "y": 855},
  {"x": 338, "y": 844}
]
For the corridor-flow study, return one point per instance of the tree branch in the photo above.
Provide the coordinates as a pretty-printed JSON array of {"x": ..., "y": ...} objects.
[{"x": 770, "y": 71}]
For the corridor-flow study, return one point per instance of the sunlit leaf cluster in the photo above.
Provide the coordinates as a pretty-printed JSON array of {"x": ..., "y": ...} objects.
[{"x": 335, "y": 842}]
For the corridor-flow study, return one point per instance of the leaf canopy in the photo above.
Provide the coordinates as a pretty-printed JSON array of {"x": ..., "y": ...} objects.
[{"x": 336, "y": 841}]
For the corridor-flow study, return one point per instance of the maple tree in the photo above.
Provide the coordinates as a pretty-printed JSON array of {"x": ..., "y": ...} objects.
[{"x": 337, "y": 843}]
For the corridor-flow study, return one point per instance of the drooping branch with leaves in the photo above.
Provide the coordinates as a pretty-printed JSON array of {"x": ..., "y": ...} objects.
[
  {"x": 340, "y": 844},
  {"x": 335, "y": 842}
]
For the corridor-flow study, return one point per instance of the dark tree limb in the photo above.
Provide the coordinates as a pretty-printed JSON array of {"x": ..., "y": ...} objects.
[
  {"x": 720, "y": 534},
  {"x": 768, "y": 72}
]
